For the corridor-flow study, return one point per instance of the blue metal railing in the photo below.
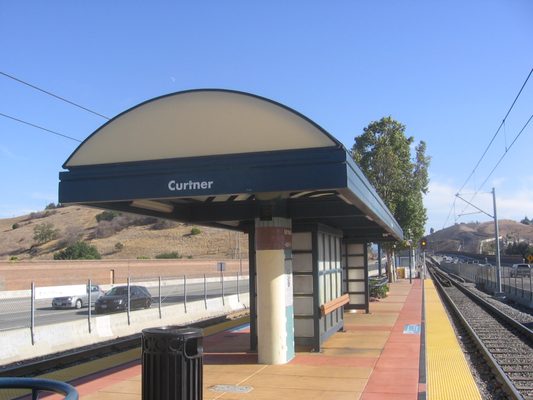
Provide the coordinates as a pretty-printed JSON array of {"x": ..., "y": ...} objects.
[{"x": 38, "y": 385}]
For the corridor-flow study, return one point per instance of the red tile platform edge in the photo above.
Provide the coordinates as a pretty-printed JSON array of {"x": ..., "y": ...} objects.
[{"x": 401, "y": 382}]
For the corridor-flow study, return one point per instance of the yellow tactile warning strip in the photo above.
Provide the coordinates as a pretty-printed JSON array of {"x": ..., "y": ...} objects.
[
  {"x": 448, "y": 374},
  {"x": 115, "y": 360}
]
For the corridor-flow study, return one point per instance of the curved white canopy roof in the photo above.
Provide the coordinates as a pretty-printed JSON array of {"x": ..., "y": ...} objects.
[
  {"x": 199, "y": 123},
  {"x": 210, "y": 156}
]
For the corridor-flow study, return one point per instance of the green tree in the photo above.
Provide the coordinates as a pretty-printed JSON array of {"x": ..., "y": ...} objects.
[
  {"x": 45, "y": 232},
  {"x": 518, "y": 248},
  {"x": 78, "y": 251},
  {"x": 107, "y": 215},
  {"x": 384, "y": 154},
  {"x": 173, "y": 254}
]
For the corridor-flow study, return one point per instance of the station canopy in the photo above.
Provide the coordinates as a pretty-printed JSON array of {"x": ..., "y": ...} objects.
[{"x": 224, "y": 158}]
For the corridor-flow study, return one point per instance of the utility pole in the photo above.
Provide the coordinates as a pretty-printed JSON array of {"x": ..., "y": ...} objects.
[
  {"x": 497, "y": 234},
  {"x": 498, "y": 292}
]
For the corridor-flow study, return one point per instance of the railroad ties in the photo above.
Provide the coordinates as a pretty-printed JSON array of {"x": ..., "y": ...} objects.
[{"x": 505, "y": 343}]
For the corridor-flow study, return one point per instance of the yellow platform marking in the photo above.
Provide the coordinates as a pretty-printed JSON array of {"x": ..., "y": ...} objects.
[{"x": 448, "y": 375}]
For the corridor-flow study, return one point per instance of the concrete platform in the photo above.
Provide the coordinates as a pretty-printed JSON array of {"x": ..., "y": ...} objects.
[{"x": 377, "y": 357}]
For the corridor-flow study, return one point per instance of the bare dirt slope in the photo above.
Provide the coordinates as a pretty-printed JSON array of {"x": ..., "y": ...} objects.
[{"x": 138, "y": 237}]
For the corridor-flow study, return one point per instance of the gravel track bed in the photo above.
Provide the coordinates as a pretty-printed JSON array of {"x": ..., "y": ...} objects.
[{"x": 513, "y": 353}]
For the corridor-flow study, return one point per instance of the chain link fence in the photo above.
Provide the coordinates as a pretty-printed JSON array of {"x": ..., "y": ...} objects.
[{"x": 516, "y": 286}]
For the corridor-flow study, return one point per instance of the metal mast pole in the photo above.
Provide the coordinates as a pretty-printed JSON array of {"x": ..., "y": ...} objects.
[{"x": 497, "y": 237}]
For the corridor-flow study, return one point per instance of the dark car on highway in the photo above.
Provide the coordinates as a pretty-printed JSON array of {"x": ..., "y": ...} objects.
[
  {"x": 117, "y": 299},
  {"x": 520, "y": 270}
]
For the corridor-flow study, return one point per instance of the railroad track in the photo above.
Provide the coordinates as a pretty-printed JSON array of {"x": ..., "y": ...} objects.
[
  {"x": 506, "y": 344},
  {"x": 54, "y": 362}
]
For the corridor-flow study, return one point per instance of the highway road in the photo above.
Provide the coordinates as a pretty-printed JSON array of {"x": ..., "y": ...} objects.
[{"x": 16, "y": 313}]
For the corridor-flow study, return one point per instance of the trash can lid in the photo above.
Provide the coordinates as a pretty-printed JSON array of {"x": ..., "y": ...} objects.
[{"x": 174, "y": 331}]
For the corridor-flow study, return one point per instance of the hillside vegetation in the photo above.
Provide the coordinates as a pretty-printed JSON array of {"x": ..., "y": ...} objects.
[
  {"x": 40, "y": 235},
  {"x": 469, "y": 237}
]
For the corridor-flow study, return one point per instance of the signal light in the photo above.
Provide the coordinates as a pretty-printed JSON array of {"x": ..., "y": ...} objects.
[{"x": 423, "y": 243}]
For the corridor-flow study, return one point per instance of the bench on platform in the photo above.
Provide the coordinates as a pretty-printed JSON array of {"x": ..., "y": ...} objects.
[{"x": 332, "y": 305}]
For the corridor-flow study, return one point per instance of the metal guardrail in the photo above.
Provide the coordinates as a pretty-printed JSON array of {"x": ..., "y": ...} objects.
[
  {"x": 40, "y": 385},
  {"x": 378, "y": 281}
]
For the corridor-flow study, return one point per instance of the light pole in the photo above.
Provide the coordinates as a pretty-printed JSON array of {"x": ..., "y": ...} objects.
[{"x": 410, "y": 241}]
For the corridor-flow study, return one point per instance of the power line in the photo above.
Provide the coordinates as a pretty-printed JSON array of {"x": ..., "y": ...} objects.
[
  {"x": 496, "y": 134},
  {"x": 39, "y": 127},
  {"x": 53, "y": 95},
  {"x": 506, "y": 151},
  {"x": 502, "y": 124},
  {"x": 500, "y": 160},
  {"x": 449, "y": 213}
]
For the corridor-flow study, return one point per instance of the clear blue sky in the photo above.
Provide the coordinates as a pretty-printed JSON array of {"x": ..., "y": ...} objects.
[{"x": 448, "y": 70}]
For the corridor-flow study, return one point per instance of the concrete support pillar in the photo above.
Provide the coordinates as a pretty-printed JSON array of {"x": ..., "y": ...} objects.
[{"x": 275, "y": 314}]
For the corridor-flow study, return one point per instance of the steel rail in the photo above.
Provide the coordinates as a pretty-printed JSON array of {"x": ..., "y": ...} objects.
[
  {"x": 63, "y": 360},
  {"x": 498, "y": 372}
]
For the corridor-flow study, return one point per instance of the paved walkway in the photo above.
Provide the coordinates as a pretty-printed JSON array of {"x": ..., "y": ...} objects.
[{"x": 377, "y": 357}]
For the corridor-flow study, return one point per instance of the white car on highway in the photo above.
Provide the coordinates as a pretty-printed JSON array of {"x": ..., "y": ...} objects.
[{"x": 79, "y": 300}]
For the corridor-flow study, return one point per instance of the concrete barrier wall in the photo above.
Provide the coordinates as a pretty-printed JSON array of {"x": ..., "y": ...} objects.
[
  {"x": 49, "y": 292},
  {"x": 16, "y": 345},
  {"x": 465, "y": 271}
]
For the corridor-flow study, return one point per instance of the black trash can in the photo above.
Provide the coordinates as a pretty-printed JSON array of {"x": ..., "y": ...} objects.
[{"x": 172, "y": 366}]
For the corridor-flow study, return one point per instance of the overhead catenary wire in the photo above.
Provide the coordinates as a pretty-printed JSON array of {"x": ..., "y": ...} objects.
[
  {"x": 449, "y": 213},
  {"x": 497, "y": 131},
  {"x": 39, "y": 127},
  {"x": 499, "y": 161},
  {"x": 502, "y": 124},
  {"x": 506, "y": 151},
  {"x": 53, "y": 95}
]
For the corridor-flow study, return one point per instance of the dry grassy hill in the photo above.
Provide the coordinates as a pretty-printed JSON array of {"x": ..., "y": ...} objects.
[
  {"x": 468, "y": 236},
  {"x": 139, "y": 237}
]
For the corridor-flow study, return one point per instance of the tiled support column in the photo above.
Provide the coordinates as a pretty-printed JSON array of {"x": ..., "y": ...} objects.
[{"x": 275, "y": 315}]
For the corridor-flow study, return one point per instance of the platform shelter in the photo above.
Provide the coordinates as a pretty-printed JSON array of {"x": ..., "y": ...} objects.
[{"x": 238, "y": 161}]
